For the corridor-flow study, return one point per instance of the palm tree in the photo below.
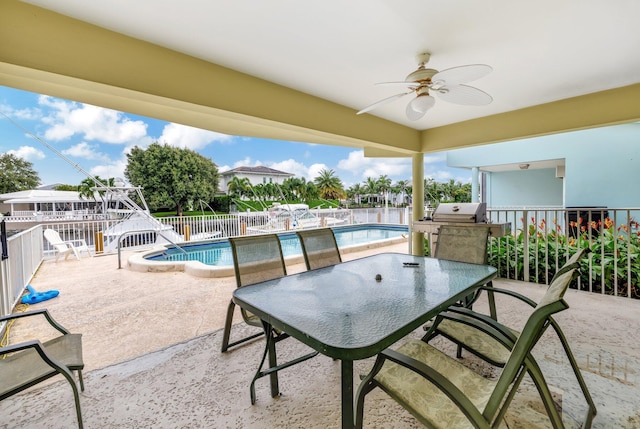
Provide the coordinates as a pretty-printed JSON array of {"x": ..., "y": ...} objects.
[
  {"x": 402, "y": 186},
  {"x": 371, "y": 188},
  {"x": 432, "y": 191},
  {"x": 329, "y": 185},
  {"x": 384, "y": 185},
  {"x": 238, "y": 187},
  {"x": 354, "y": 192},
  {"x": 85, "y": 191}
]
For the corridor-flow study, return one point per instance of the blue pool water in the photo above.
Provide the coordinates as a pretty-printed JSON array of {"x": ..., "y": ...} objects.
[{"x": 218, "y": 253}]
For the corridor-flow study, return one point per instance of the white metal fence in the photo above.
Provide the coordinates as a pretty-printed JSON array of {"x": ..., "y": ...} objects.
[{"x": 541, "y": 240}]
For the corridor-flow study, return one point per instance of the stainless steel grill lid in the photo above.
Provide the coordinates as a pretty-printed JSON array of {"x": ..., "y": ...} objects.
[{"x": 461, "y": 213}]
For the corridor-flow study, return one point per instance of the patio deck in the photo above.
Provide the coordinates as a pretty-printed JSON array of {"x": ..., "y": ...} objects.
[{"x": 151, "y": 345}]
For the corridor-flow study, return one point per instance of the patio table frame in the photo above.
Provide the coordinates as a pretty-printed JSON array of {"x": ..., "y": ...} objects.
[{"x": 356, "y": 309}]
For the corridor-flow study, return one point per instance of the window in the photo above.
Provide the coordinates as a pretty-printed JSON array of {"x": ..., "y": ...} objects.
[{"x": 264, "y": 180}]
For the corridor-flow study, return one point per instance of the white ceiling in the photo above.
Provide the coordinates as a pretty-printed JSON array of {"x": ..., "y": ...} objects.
[{"x": 541, "y": 51}]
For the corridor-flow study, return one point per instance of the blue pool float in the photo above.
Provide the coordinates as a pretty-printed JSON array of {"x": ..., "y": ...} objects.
[{"x": 34, "y": 297}]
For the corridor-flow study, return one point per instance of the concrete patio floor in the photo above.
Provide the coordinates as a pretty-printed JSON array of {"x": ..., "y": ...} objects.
[{"x": 151, "y": 348}]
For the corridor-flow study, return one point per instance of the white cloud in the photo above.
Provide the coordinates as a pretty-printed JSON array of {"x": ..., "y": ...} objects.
[
  {"x": 67, "y": 119},
  {"x": 28, "y": 153},
  {"x": 246, "y": 162},
  {"x": 189, "y": 137},
  {"x": 86, "y": 151},
  {"x": 315, "y": 169},
  {"x": 291, "y": 166},
  {"x": 359, "y": 166},
  {"x": 114, "y": 169},
  {"x": 22, "y": 114}
]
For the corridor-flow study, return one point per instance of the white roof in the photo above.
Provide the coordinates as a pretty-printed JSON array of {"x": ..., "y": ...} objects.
[{"x": 41, "y": 196}]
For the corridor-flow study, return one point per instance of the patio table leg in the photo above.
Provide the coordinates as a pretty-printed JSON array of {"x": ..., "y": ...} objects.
[
  {"x": 347, "y": 394},
  {"x": 273, "y": 361}
]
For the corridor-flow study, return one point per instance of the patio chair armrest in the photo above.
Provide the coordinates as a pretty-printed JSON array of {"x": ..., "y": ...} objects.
[
  {"x": 42, "y": 352},
  {"x": 77, "y": 243},
  {"x": 482, "y": 323},
  {"x": 42, "y": 311},
  {"x": 510, "y": 293},
  {"x": 441, "y": 382}
]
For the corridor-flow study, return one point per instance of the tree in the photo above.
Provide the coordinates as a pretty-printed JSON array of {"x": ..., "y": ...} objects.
[
  {"x": 371, "y": 188},
  {"x": 171, "y": 176},
  {"x": 238, "y": 187},
  {"x": 16, "y": 174},
  {"x": 354, "y": 193},
  {"x": 329, "y": 185},
  {"x": 403, "y": 186}
]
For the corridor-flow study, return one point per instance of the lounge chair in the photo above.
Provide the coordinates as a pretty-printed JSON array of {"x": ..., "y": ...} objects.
[
  {"x": 67, "y": 247},
  {"x": 29, "y": 363}
]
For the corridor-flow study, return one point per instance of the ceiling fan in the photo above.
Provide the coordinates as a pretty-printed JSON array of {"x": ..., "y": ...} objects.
[{"x": 447, "y": 84}]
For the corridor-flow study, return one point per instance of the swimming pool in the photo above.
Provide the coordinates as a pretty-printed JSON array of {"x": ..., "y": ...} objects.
[{"x": 214, "y": 259}]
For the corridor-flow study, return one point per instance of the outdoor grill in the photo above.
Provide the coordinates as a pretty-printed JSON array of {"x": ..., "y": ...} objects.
[{"x": 460, "y": 213}]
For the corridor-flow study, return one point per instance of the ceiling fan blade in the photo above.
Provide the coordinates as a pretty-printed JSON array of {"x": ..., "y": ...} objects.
[
  {"x": 403, "y": 83},
  {"x": 461, "y": 74},
  {"x": 463, "y": 94},
  {"x": 383, "y": 102}
]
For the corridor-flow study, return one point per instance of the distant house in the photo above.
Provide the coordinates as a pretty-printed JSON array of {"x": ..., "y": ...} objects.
[
  {"x": 46, "y": 205},
  {"x": 256, "y": 175},
  {"x": 588, "y": 168}
]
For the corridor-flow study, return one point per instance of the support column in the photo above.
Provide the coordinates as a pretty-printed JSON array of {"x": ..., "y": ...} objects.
[
  {"x": 475, "y": 188},
  {"x": 417, "y": 178}
]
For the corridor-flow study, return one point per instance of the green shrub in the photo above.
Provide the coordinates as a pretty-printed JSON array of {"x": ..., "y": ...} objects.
[{"x": 613, "y": 266}]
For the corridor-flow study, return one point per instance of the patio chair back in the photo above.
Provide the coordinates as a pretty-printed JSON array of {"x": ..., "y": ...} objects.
[
  {"x": 319, "y": 248},
  {"x": 462, "y": 244},
  {"x": 257, "y": 258},
  {"x": 62, "y": 248}
]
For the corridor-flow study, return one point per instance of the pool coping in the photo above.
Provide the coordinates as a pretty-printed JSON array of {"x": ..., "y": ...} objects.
[{"x": 137, "y": 261}]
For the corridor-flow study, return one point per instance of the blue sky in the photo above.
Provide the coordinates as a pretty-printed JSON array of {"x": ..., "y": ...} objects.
[{"x": 98, "y": 139}]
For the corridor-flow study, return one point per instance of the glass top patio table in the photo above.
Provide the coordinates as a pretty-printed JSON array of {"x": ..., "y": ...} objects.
[{"x": 356, "y": 309}]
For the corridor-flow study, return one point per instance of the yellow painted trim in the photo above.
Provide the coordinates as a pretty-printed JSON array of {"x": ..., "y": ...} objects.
[
  {"x": 53, "y": 54},
  {"x": 614, "y": 106}
]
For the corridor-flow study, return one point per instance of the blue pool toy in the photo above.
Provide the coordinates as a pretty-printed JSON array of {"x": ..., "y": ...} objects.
[{"x": 34, "y": 297}]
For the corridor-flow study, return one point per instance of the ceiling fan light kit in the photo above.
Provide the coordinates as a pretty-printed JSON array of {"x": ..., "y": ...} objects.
[{"x": 447, "y": 84}]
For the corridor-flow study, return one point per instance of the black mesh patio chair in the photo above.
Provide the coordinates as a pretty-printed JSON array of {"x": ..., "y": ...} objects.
[
  {"x": 472, "y": 331},
  {"x": 256, "y": 259},
  {"x": 442, "y": 393},
  {"x": 319, "y": 248},
  {"x": 26, "y": 364}
]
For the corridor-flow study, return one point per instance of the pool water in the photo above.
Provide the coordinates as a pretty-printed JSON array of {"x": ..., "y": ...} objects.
[{"x": 218, "y": 253}]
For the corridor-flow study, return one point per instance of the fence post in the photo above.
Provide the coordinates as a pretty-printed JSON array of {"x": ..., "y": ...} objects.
[
  {"x": 525, "y": 245},
  {"x": 187, "y": 232},
  {"x": 98, "y": 242}
]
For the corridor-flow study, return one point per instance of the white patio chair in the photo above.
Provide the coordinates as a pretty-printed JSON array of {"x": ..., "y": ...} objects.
[{"x": 67, "y": 247}]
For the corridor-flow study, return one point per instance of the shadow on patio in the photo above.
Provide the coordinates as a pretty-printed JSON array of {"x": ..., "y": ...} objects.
[{"x": 191, "y": 384}]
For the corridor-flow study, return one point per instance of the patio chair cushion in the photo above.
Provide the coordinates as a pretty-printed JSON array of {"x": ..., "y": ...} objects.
[{"x": 425, "y": 401}]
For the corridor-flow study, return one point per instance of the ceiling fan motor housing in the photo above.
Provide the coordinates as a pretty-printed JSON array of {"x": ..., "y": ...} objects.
[{"x": 421, "y": 75}]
